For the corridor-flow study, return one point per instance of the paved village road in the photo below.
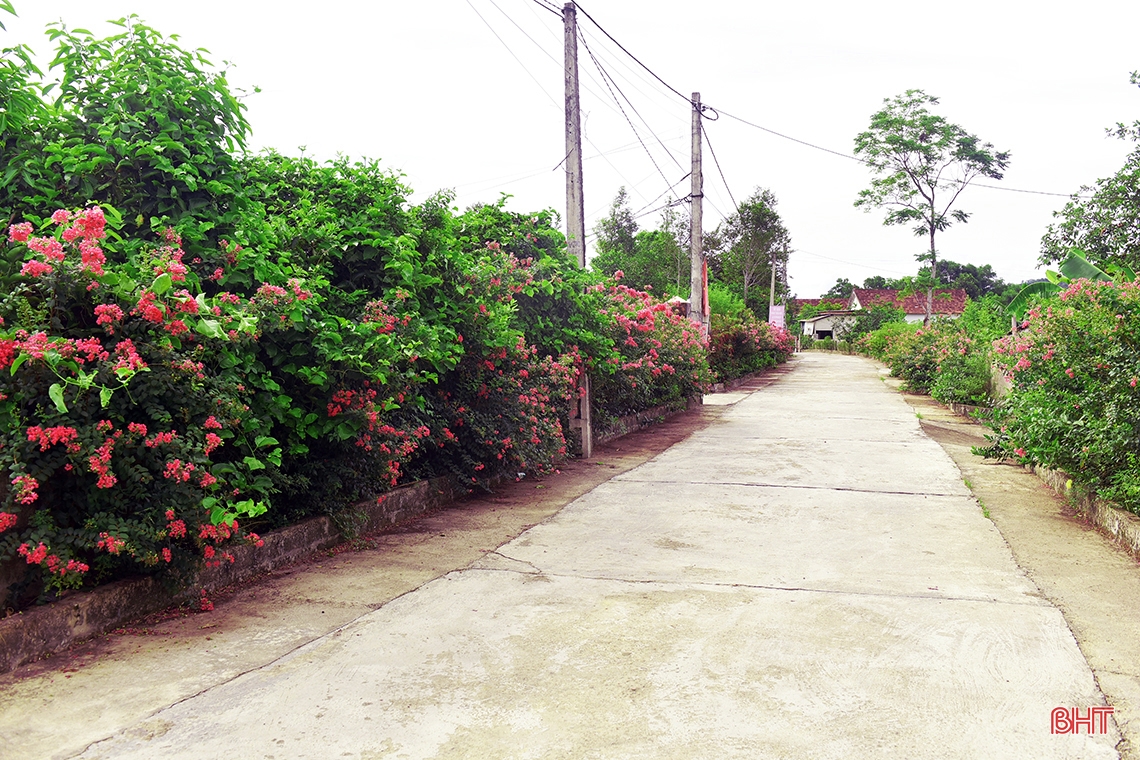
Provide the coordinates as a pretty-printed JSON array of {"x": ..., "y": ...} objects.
[{"x": 806, "y": 577}]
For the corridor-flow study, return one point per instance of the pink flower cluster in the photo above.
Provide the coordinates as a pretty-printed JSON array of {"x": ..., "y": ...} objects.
[
  {"x": 52, "y": 563},
  {"x": 48, "y": 437},
  {"x": 26, "y": 487},
  {"x": 86, "y": 227},
  {"x": 110, "y": 544},
  {"x": 7, "y": 520}
]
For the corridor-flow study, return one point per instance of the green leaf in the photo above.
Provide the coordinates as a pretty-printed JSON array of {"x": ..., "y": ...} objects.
[
  {"x": 18, "y": 361},
  {"x": 264, "y": 440},
  {"x": 105, "y": 396},
  {"x": 1077, "y": 267},
  {"x": 162, "y": 283},
  {"x": 254, "y": 464},
  {"x": 55, "y": 392},
  {"x": 1018, "y": 305},
  {"x": 210, "y": 328}
]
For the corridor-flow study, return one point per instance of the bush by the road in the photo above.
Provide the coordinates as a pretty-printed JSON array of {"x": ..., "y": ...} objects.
[
  {"x": 219, "y": 344},
  {"x": 1074, "y": 403}
]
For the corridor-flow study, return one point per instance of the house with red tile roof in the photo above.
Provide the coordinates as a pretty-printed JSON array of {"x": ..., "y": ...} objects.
[{"x": 947, "y": 302}]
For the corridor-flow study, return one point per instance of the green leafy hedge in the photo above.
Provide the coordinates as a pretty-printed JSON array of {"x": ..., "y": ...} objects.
[
  {"x": 198, "y": 345},
  {"x": 1074, "y": 402}
]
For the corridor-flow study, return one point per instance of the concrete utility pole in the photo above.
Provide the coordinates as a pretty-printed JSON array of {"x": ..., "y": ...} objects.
[
  {"x": 698, "y": 276},
  {"x": 575, "y": 201}
]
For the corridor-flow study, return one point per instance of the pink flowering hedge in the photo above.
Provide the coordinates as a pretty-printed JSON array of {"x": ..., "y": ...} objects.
[
  {"x": 741, "y": 343},
  {"x": 658, "y": 357},
  {"x": 199, "y": 344},
  {"x": 157, "y": 409},
  {"x": 121, "y": 446},
  {"x": 1074, "y": 403}
]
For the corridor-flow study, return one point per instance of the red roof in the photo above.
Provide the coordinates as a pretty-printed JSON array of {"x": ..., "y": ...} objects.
[
  {"x": 946, "y": 300},
  {"x": 801, "y": 302}
]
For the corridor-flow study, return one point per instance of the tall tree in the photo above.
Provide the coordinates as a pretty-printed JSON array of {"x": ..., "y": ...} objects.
[
  {"x": 751, "y": 241},
  {"x": 922, "y": 163},
  {"x": 649, "y": 259},
  {"x": 976, "y": 281},
  {"x": 878, "y": 282},
  {"x": 841, "y": 289},
  {"x": 617, "y": 234},
  {"x": 1107, "y": 225}
]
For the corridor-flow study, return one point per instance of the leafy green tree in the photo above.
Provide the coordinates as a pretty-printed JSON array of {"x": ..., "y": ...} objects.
[
  {"x": 1105, "y": 226},
  {"x": 922, "y": 163},
  {"x": 872, "y": 319},
  {"x": 649, "y": 259},
  {"x": 138, "y": 123},
  {"x": 878, "y": 282},
  {"x": 976, "y": 281},
  {"x": 841, "y": 289},
  {"x": 616, "y": 244},
  {"x": 751, "y": 241}
]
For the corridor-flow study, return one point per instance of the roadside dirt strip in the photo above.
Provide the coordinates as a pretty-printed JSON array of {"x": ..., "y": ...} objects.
[{"x": 804, "y": 575}]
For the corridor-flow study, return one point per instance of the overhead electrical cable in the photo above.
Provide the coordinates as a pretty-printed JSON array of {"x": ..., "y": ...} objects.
[
  {"x": 537, "y": 44},
  {"x": 508, "y": 48},
  {"x": 627, "y": 119},
  {"x": 548, "y": 6},
  {"x": 668, "y": 86},
  {"x": 704, "y": 131},
  {"x": 606, "y": 75},
  {"x": 657, "y": 95},
  {"x": 667, "y": 190}
]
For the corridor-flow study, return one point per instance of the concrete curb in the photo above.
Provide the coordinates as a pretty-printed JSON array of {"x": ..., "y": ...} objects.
[
  {"x": 1124, "y": 526},
  {"x": 44, "y": 630},
  {"x": 1121, "y": 525},
  {"x": 633, "y": 422}
]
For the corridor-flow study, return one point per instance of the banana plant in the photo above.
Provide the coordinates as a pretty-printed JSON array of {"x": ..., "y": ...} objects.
[{"x": 1075, "y": 267}]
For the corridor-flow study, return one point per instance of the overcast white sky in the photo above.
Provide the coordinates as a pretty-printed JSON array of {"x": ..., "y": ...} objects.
[{"x": 428, "y": 88}]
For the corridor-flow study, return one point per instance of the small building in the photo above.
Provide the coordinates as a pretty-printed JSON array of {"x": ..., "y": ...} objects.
[{"x": 828, "y": 324}]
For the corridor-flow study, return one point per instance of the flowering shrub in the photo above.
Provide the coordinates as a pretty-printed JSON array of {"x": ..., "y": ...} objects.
[
  {"x": 658, "y": 356},
  {"x": 115, "y": 434},
  {"x": 923, "y": 357},
  {"x": 740, "y": 343},
  {"x": 1074, "y": 403},
  {"x": 224, "y": 343}
]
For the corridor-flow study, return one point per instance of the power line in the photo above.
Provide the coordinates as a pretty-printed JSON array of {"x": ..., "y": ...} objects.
[
  {"x": 622, "y": 62},
  {"x": 623, "y": 113},
  {"x": 659, "y": 197},
  {"x": 608, "y": 76},
  {"x": 793, "y": 139},
  {"x": 668, "y": 86},
  {"x": 867, "y": 163},
  {"x": 537, "y": 44},
  {"x": 548, "y": 6},
  {"x": 508, "y": 48},
  {"x": 852, "y": 263},
  {"x": 704, "y": 131}
]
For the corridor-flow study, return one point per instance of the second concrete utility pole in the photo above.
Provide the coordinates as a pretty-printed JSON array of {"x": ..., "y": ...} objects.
[
  {"x": 698, "y": 272},
  {"x": 575, "y": 201}
]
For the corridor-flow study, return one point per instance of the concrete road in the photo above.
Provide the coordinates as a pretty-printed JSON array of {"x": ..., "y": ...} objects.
[{"x": 807, "y": 577}]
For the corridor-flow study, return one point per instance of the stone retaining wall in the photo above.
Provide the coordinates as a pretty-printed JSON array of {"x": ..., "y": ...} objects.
[
  {"x": 1124, "y": 526},
  {"x": 80, "y": 615}
]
